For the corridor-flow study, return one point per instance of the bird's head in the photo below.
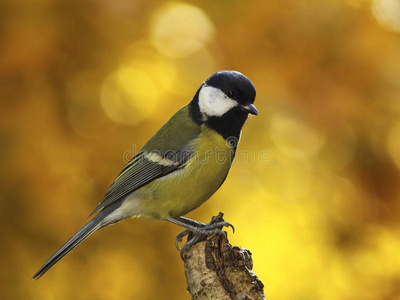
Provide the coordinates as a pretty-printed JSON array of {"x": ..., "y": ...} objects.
[
  {"x": 226, "y": 91},
  {"x": 224, "y": 102}
]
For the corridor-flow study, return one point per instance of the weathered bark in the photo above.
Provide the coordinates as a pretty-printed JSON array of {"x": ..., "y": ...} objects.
[{"x": 215, "y": 269}]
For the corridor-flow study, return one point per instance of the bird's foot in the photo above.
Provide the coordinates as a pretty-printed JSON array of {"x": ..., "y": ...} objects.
[{"x": 198, "y": 232}]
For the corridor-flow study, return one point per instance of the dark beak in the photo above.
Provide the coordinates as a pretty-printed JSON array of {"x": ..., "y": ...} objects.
[{"x": 249, "y": 108}]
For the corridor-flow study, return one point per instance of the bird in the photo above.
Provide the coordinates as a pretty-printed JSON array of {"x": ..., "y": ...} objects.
[{"x": 181, "y": 166}]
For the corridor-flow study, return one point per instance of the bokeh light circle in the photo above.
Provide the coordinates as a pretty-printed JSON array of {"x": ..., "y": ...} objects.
[
  {"x": 387, "y": 13},
  {"x": 179, "y": 29}
]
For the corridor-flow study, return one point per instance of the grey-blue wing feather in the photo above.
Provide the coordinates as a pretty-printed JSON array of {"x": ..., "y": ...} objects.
[{"x": 134, "y": 176}]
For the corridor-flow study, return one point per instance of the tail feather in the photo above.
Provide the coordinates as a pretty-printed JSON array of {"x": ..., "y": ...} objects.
[{"x": 79, "y": 237}]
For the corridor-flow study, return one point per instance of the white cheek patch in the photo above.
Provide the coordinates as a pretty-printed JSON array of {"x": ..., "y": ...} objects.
[{"x": 213, "y": 102}]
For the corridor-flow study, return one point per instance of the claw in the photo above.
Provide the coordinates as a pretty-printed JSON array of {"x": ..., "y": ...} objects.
[
  {"x": 231, "y": 226},
  {"x": 219, "y": 224},
  {"x": 179, "y": 238},
  {"x": 199, "y": 233}
]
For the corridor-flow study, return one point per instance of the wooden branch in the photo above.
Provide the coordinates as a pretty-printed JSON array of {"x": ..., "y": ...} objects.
[{"x": 217, "y": 270}]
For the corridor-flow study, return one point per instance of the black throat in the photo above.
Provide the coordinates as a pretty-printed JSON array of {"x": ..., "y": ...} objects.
[{"x": 228, "y": 126}]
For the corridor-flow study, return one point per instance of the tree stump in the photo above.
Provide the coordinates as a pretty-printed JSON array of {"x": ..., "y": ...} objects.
[{"x": 217, "y": 270}]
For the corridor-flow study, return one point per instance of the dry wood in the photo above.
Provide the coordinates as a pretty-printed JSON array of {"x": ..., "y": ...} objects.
[{"x": 217, "y": 270}]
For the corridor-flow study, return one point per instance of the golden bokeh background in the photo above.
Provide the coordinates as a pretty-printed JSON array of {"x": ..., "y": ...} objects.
[{"x": 314, "y": 194}]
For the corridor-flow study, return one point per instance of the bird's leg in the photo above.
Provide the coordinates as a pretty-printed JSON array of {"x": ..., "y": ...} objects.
[{"x": 197, "y": 231}]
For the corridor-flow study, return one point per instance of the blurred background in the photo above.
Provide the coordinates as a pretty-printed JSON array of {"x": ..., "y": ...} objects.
[{"x": 84, "y": 84}]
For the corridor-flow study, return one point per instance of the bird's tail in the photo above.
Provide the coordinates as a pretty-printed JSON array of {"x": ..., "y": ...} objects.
[{"x": 80, "y": 236}]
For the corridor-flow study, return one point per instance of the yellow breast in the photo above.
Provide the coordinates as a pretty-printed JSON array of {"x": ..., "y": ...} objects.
[{"x": 184, "y": 190}]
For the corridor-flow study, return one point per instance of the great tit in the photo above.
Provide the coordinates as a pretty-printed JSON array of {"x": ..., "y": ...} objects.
[{"x": 182, "y": 165}]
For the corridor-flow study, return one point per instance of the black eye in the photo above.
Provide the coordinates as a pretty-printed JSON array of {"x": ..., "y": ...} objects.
[{"x": 231, "y": 94}]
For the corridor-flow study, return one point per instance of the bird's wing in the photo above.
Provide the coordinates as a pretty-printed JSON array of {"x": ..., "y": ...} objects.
[
  {"x": 154, "y": 162},
  {"x": 143, "y": 168}
]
